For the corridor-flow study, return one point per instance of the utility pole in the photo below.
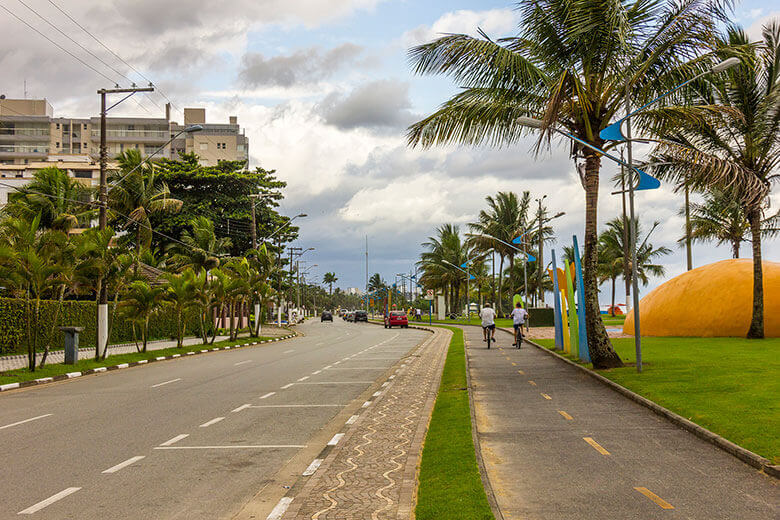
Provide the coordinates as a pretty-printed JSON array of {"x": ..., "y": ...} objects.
[
  {"x": 539, "y": 260},
  {"x": 102, "y": 308},
  {"x": 634, "y": 222},
  {"x": 254, "y": 227},
  {"x": 688, "y": 255},
  {"x": 366, "y": 274}
]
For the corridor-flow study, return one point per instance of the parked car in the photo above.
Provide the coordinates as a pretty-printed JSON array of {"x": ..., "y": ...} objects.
[
  {"x": 360, "y": 316},
  {"x": 396, "y": 318},
  {"x": 350, "y": 316},
  {"x": 326, "y": 316}
]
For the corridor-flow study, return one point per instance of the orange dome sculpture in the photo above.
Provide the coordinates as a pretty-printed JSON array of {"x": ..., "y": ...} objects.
[{"x": 712, "y": 300}]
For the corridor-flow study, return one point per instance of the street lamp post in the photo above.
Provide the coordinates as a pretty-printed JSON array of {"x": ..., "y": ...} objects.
[
  {"x": 259, "y": 197},
  {"x": 279, "y": 262}
]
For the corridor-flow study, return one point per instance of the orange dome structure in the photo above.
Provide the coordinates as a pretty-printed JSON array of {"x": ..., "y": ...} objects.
[{"x": 712, "y": 300}]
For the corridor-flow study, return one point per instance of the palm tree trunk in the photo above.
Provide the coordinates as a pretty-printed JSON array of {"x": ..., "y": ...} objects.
[
  {"x": 735, "y": 247},
  {"x": 145, "y": 332},
  {"x": 756, "y": 330},
  {"x": 601, "y": 353},
  {"x": 612, "y": 308},
  {"x": 179, "y": 331},
  {"x": 111, "y": 323},
  {"x": 500, "y": 298}
]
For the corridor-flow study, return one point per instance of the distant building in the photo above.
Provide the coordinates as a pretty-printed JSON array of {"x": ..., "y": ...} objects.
[
  {"x": 31, "y": 138},
  {"x": 354, "y": 290}
]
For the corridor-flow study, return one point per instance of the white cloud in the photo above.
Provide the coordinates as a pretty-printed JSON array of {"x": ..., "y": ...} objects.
[
  {"x": 495, "y": 22},
  {"x": 754, "y": 30}
]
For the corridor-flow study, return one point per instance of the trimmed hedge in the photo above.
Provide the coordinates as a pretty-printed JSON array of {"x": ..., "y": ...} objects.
[
  {"x": 77, "y": 314},
  {"x": 542, "y": 317}
]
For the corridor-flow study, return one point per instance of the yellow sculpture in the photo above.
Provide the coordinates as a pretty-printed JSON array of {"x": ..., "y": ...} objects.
[{"x": 712, "y": 300}]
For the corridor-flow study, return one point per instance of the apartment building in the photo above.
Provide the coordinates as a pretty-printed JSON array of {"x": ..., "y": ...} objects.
[{"x": 30, "y": 133}]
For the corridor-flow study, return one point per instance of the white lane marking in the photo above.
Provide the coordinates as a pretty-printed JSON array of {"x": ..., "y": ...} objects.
[
  {"x": 166, "y": 382},
  {"x": 250, "y": 447},
  {"x": 318, "y": 344},
  {"x": 297, "y": 405},
  {"x": 336, "y": 363},
  {"x": 242, "y": 407},
  {"x": 391, "y": 377},
  {"x": 288, "y": 351},
  {"x": 131, "y": 460},
  {"x": 335, "y": 440},
  {"x": 266, "y": 396},
  {"x": 359, "y": 368},
  {"x": 385, "y": 384},
  {"x": 285, "y": 387},
  {"x": 327, "y": 367},
  {"x": 25, "y": 421},
  {"x": 213, "y": 421},
  {"x": 366, "y": 404},
  {"x": 43, "y": 503},
  {"x": 304, "y": 378},
  {"x": 352, "y": 419},
  {"x": 377, "y": 394},
  {"x": 242, "y": 362},
  {"x": 278, "y": 512},
  {"x": 175, "y": 439},
  {"x": 312, "y": 467},
  {"x": 337, "y": 383},
  {"x": 316, "y": 372}
]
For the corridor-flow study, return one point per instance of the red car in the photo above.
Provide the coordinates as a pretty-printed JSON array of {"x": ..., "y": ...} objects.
[{"x": 396, "y": 318}]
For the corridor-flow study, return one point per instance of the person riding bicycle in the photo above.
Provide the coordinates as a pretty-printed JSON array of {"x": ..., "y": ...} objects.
[
  {"x": 488, "y": 317},
  {"x": 519, "y": 315}
]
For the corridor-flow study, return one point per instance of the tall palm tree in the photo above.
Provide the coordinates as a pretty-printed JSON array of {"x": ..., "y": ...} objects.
[
  {"x": 721, "y": 219},
  {"x": 330, "y": 279},
  {"x": 375, "y": 282},
  {"x": 444, "y": 251},
  {"x": 138, "y": 195},
  {"x": 200, "y": 247},
  {"x": 738, "y": 149},
  {"x": 140, "y": 303},
  {"x": 180, "y": 294},
  {"x": 507, "y": 217},
  {"x": 570, "y": 66},
  {"x": 60, "y": 200}
]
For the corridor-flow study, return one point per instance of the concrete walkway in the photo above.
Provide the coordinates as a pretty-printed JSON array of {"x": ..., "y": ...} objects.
[
  {"x": 559, "y": 445},
  {"x": 58, "y": 356}
]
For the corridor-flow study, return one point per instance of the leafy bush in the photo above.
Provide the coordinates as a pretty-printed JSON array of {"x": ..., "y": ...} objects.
[{"x": 77, "y": 314}]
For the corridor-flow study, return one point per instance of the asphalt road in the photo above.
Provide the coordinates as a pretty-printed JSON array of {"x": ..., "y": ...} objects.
[
  {"x": 188, "y": 438},
  {"x": 557, "y": 444}
]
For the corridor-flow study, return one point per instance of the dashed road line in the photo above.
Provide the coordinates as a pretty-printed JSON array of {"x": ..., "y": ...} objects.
[
  {"x": 49, "y": 501},
  {"x": 242, "y": 407},
  {"x": 532, "y": 383},
  {"x": 655, "y": 498},
  {"x": 547, "y": 397},
  {"x": 565, "y": 415},
  {"x": 316, "y": 372},
  {"x": 249, "y": 447},
  {"x": 336, "y": 383},
  {"x": 598, "y": 447},
  {"x": 242, "y": 362},
  {"x": 352, "y": 419},
  {"x": 131, "y": 460},
  {"x": 335, "y": 440},
  {"x": 175, "y": 439},
  {"x": 285, "y": 387},
  {"x": 266, "y": 396},
  {"x": 297, "y": 406},
  {"x": 289, "y": 351},
  {"x": 304, "y": 378},
  {"x": 166, "y": 382},
  {"x": 213, "y": 421},
  {"x": 278, "y": 512},
  {"x": 24, "y": 421},
  {"x": 312, "y": 467}
]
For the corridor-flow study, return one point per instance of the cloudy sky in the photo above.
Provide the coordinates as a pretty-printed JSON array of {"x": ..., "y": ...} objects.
[{"x": 324, "y": 91}]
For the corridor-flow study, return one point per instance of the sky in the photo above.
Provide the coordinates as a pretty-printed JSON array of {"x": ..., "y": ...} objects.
[{"x": 325, "y": 93}]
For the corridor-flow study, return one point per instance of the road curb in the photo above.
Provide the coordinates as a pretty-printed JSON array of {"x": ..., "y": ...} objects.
[
  {"x": 74, "y": 375},
  {"x": 743, "y": 454}
]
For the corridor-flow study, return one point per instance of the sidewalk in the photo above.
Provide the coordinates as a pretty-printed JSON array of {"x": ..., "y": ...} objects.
[
  {"x": 558, "y": 444},
  {"x": 58, "y": 356},
  {"x": 371, "y": 473}
]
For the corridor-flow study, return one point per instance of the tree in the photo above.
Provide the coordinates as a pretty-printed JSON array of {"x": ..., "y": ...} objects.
[
  {"x": 570, "y": 66},
  {"x": 140, "y": 303},
  {"x": 375, "y": 283},
  {"x": 438, "y": 264},
  {"x": 722, "y": 219},
  {"x": 737, "y": 150},
  {"x": 136, "y": 191},
  {"x": 61, "y": 201},
  {"x": 180, "y": 296},
  {"x": 330, "y": 279},
  {"x": 200, "y": 247}
]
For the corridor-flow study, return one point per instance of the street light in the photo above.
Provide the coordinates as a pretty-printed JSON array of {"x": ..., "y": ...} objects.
[
  {"x": 614, "y": 133},
  {"x": 468, "y": 275},
  {"x": 259, "y": 197}
]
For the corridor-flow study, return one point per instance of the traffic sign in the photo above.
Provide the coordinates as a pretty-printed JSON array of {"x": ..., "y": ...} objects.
[{"x": 429, "y": 294}]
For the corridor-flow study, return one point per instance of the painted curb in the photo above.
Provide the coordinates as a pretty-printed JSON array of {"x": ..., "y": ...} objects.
[
  {"x": 743, "y": 454},
  {"x": 97, "y": 370}
]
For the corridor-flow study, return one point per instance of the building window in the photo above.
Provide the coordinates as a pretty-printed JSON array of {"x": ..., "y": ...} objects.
[
  {"x": 57, "y": 146},
  {"x": 83, "y": 174},
  {"x": 58, "y": 126}
]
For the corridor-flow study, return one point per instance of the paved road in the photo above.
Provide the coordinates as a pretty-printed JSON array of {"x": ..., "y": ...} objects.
[
  {"x": 559, "y": 445},
  {"x": 190, "y": 438}
]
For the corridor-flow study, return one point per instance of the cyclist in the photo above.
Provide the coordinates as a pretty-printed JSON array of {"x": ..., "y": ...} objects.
[
  {"x": 488, "y": 316},
  {"x": 519, "y": 315}
]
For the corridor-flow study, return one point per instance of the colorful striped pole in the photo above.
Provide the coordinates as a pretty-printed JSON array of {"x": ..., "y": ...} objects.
[
  {"x": 584, "y": 352},
  {"x": 573, "y": 327},
  {"x": 557, "y": 299}
]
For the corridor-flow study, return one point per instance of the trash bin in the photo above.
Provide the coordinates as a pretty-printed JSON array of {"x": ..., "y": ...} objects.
[{"x": 71, "y": 344}]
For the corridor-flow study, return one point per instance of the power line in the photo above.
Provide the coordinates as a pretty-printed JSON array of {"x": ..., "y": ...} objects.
[
  {"x": 36, "y": 13},
  {"x": 63, "y": 49}
]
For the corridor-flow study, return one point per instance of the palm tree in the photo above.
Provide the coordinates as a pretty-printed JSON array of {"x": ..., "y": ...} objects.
[
  {"x": 202, "y": 300},
  {"x": 200, "y": 247},
  {"x": 141, "y": 301},
  {"x": 506, "y": 218},
  {"x": 330, "y": 279},
  {"x": 738, "y": 150},
  {"x": 180, "y": 296},
  {"x": 722, "y": 219},
  {"x": 138, "y": 195},
  {"x": 571, "y": 65},
  {"x": 61, "y": 201},
  {"x": 445, "y": 251},
  {"x": 375, "y": 283}
]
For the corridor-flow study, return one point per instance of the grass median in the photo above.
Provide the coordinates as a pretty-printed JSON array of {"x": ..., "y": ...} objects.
[
  {"x": 450, "y": 485},
  {"x": 56, "y": 369},
  {"x": 727, "y": 385}
]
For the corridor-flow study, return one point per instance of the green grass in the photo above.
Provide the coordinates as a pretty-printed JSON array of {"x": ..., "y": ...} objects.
[
  {"x": 56, "y": 369},
  {"x": 728, "y": 385},
  {"x": 613, "y": 320},
  {"x": 450, "y": 485},
  {"x": 500, "y": 322}
]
